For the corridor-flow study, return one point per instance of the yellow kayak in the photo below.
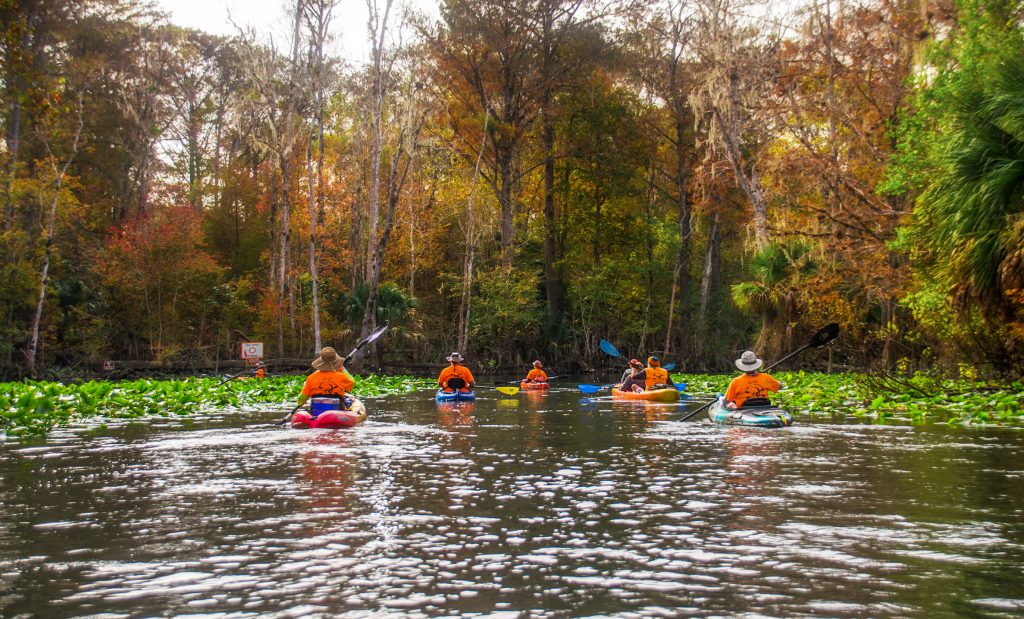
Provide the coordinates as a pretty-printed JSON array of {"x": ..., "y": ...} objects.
[{"x": 656, "y": 395}]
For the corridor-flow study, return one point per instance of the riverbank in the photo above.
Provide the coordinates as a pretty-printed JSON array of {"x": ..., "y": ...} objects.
[
  {"x": 919, "y": 399},
  {"x": 35, "y": 407}
]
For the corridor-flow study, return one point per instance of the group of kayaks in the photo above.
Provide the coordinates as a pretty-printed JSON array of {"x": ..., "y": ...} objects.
[
  {"x": 755, "y": 416},
  {"x": 332, "y": 414}
]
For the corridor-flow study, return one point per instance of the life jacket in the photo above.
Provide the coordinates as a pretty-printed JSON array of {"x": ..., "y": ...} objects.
[{"x": 656, "y": 376}]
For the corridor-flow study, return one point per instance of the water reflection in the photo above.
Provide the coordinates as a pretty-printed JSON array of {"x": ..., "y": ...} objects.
[{"x": 545, "y": 508}]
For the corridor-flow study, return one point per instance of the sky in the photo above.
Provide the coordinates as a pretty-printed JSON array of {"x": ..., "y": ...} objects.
[{"x": 269, "y": 17}]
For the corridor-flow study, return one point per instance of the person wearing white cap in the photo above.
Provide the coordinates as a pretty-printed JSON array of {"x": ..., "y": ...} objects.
[
  {"x": 456, "y": 375},
  {"x": 751, "y": 387}
]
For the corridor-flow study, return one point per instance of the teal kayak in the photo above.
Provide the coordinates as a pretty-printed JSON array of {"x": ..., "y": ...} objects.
[{"x": 769, "y": 416}]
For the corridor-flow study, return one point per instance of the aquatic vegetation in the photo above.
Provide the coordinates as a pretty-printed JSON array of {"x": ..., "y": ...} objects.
[
  {"x": 921, "y": 398},
  {"x": 32, "y": 407}
]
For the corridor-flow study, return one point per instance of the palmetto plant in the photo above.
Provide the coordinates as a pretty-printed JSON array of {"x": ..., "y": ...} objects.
[
  {"x": 971, "y": 218},
  {"x": 777, "y": 271},
  {"x": 394, "y": 305}
]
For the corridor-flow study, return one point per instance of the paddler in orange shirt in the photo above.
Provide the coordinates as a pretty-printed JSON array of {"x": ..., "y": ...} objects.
[
  {"x": 751, "y": 387},
  {"x": 330, "y": 377},
  {"x": 655, "y": 376},
  {"x": 537, "y": 374},
  {"x": 456, "y": 375}
]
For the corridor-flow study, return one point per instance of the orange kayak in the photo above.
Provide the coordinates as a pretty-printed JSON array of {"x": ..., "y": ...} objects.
[
  {"x": 525, "y": 386},
  {"x": 657, "y": 395}
]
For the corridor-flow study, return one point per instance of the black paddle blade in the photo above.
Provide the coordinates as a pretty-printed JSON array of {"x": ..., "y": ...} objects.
[{"x": 825, "y": 335}]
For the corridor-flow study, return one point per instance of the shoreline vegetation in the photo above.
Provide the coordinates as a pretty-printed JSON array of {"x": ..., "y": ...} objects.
[{"x": 33, "y": 408}]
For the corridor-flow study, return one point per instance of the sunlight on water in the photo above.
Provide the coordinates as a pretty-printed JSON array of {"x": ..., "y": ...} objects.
[{"x": 513, "y": 507}]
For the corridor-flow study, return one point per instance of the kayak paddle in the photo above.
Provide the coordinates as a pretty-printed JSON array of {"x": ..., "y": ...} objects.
[
  {"x": 284, "y": 420},
  {"x": 608, "y": 349},
  {"x": 369, "y": 338},
  {"x": 508, "y": 390},
  {"x": 520, "y": 380},
  {"x": 824, "y": 335},
  {"x": 229, "y": 379}
]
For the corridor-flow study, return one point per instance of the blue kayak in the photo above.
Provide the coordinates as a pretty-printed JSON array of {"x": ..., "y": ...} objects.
[
  {"x": 769, "y": 416},
  {"x": 455, "y": 396}
]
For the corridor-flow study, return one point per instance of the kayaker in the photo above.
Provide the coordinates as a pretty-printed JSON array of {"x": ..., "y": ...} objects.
[
  {"x": 330, "y": 378},
  {"x": 537, "y": 374},
  {"x": 635, "y": 378},
  {"x": 751, "y": 387},
  {"x": 456, "y": 375},
  {"x": 260, "y": 371},
  {"x": 655, "y": 376}
]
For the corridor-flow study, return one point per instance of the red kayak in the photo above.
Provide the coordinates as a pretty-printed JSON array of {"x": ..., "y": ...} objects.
[
  {"x": 525, "y": 386},
  {"x": 331, "y": 419}
]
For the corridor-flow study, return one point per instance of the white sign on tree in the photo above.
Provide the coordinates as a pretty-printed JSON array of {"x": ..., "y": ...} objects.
[{"x": 252, "y": 350}]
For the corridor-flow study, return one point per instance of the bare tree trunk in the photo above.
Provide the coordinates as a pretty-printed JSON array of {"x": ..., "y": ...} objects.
[
  {"x": 16, "y": 88},
  {"x": 470, "y": 255},
  {"x": 318, "y": 13},
  {"x": 749, "y": 181},
  {"x": 552, "y": 274},
  {"x": 505, "y": 199},
  {"x": 377, "y": 24},
  {"x": 681, "y": 276},
  {"x": 709, "y": 282},
  {"x": 312, "y": 247},
  {"x": 51, "y": 225},
  {"x": 467, "y": 281}
]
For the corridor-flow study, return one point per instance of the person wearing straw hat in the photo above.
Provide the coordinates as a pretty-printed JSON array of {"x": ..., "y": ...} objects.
[
  {"x": 752, "y": 387},
  {"x": 456, "y": 375},
  {"x": 260, "y": 371},
  {"x": 330, "y": 377},
  {"x": 537, "y": 374}
]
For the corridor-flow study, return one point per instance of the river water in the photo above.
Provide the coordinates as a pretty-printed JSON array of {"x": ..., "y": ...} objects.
[{"x": 527, "y": 506}]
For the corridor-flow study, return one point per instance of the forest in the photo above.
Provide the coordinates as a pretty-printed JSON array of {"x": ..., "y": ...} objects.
[{"x": 516, "y": 179}]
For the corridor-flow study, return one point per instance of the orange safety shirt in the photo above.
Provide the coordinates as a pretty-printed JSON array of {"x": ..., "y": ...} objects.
[
  {"x": 655, "y": 376},
  {"x": 328, "y": 383},
  {"x": 745, "y": 386},
  {"x": 455, "y": 370},
  {"x": 537, "y": 376},
  {"x": 261, "y": 372}
]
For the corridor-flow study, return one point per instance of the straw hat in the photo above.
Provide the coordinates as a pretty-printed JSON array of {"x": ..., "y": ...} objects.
[
  {"x": 328, "y": 361},
  {"x": 748, "y": 361},
  {"x": 455, "y": 358}
]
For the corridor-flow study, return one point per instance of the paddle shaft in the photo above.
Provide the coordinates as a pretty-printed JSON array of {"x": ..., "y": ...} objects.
[
  {"x": 694, "y": 413},
  {"x": 792, "y": 354},
  {"x": 284, "y": 420},
  {"x": 227, "y": 380}
]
